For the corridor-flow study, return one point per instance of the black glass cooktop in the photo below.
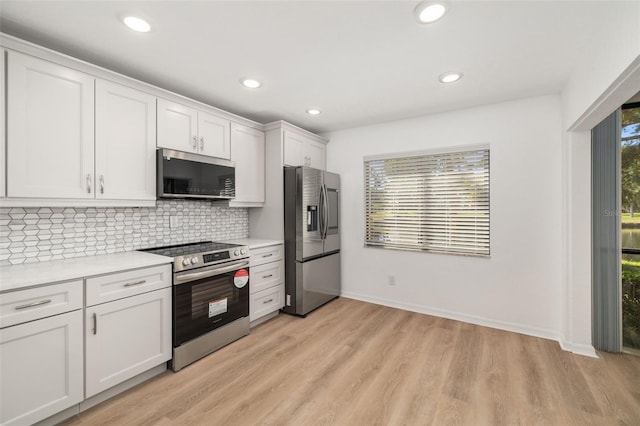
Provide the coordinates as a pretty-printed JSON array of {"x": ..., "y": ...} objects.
[{"x": 190, "y": 249}]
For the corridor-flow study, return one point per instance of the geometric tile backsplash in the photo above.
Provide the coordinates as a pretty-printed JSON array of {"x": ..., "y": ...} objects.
[{"x": 48, "y": 233}]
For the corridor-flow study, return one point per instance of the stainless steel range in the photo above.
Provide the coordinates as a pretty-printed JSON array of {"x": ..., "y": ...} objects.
[{"x": 210, "y": 297}]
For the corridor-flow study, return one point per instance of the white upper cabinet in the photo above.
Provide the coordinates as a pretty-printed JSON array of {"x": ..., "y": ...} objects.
[
  {"x": 76, "y": 138},
  {"x": 125, "y": 143},
  {"x": 177, "y": 126},
  {"x": 315, "y": 154},
  {"x": 300, "y": 150},
  {"x": 186, "y": 129},
  {"x": 50, "y": 123},
  {"x": 248, "y": 150},
  {"x": 213, "y": 136},
  {"x": 293, "y": 149}
]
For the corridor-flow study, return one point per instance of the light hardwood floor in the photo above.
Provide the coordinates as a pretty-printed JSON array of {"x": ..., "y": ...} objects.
[{"x": 355, "y": 363}]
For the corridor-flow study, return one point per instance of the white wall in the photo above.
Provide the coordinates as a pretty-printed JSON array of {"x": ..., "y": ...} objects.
[
  {"x": 520, "y": 287},
  {"x": 605, "y": 78},
  {"x": 613, "y": 56},
  {"x": 576, "y": 306}
]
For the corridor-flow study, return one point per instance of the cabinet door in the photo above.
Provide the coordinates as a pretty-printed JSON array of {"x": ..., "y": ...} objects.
[
  {"x": 125, "y": 338},
  {"x": 177, "y": 126},
  {"x": 41, "y": 368},
  {"x": 247, "y": 150},
  {"x": 50, "y": 130},
  {"x": 315, "y": 154},
  {"x": 125, "y": 143},
  {"x": 293, "y": 149},
  {"x": 213, "y": 135},
  {"x": 265, "y": 302}
]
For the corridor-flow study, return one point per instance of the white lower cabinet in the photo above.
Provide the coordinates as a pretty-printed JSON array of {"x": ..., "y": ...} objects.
[
  {"x": 41, "y": 368},
  {"x": 266, "y": 301},
  {"x": 129, "y": 336},
  {"x": 266, "y": 294}
]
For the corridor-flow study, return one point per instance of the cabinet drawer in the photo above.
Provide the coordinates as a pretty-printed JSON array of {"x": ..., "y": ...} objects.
[
  {"x": 266, "y": 301},
  {"x": 266, "y": 254},
  {"x": 266, "y": 276},
  {"x": 34, "y": 303},
  {"x": 117, "y": 286}
]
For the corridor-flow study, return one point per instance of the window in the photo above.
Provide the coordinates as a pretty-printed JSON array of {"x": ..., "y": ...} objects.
[{"x": 429, "y": 202}]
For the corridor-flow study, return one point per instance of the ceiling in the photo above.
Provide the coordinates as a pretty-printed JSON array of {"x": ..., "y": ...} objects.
[{"x": 360, "y": 62}]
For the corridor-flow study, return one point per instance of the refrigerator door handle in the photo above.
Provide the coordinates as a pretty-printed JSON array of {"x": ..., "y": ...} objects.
[
  {"x": 321, "y": 217},
  {"x": 325, "y": 205}
]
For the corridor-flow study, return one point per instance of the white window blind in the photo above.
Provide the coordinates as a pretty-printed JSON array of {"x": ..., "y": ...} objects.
[{"x": 430, "y": 202}]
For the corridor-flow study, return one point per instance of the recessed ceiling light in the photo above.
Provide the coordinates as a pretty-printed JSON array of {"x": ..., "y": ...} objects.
[
  {"x": 450, "y": 77},
  {"x": 137, "y": 24},
  {"x": 314, "y": 111},
  {"x": 429, "y": 11},
  {"x": 250, "y": 83}
]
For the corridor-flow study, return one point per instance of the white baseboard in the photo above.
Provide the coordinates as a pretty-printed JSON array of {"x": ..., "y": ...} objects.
[{"x": 580, "y": 349}]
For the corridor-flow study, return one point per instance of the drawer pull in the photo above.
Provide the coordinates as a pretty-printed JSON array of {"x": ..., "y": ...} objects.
[
  {"x": 267, "y": 276},
  {"x": 267, "y": 301},
  {"x": 267, "y": 255},
  {"x": 31, "y": 305},
  {"x": 135, "y": 283},
  {"x": 95, "y": 324}
]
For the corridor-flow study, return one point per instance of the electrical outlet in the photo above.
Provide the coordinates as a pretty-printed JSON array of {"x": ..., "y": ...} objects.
[{"x": 392, "y": 280}]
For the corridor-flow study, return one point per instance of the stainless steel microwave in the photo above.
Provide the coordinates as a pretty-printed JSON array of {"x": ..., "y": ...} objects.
[{"x": 188, "y": 175}]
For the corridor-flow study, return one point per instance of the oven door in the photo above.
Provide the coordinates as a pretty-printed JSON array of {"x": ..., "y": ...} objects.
[{"x": 208, "y": 298}]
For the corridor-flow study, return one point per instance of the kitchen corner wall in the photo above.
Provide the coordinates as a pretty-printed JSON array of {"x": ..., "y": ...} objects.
[
  {"x": 519, "y": 288},
  {"x": 41, "y": 234}
]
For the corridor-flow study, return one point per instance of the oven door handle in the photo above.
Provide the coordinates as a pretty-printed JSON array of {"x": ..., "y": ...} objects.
[{"x": 210, "y": 272}]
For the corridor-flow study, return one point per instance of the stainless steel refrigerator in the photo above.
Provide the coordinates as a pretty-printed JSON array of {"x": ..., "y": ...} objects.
[{"x": 312, "y": 238}]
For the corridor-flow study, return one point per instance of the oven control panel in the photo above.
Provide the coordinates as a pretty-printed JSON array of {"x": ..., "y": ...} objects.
[
  {"x": 198, "y": 260},
  {"x": 214, "y": 257}
]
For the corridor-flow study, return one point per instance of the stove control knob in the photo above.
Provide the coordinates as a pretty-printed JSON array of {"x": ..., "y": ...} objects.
[
  {"x": 236, "y": 252},
  {"x": 243, "y": 251},
  {"x": 194, "y": 260},
  {"x": 186, "y": 261}
]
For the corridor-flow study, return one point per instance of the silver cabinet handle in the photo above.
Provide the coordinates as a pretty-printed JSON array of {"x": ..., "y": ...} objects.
[
  {"x": 95, "y": 324},
  {"x": 102, "y": 184},
  {"x": 89, "y": 183},
  {"x": 31, "y": 305},
  {"x": 267, "y": 276},
  {"x": 201, "y": 142},
  {"x": 267, "y": 301},
  {"x": 135, "y": 283},
  {"x": 195, "y": 142},
  {"x": 267, "y": 255}
]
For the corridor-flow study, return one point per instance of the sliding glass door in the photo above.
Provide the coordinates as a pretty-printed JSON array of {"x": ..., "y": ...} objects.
[{"x": 630, "y": 229}]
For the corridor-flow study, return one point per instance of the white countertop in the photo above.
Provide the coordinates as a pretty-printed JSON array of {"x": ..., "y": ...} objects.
[
  {"x": 15, "y": 277},
  {"x": 254, "y": 243}
]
